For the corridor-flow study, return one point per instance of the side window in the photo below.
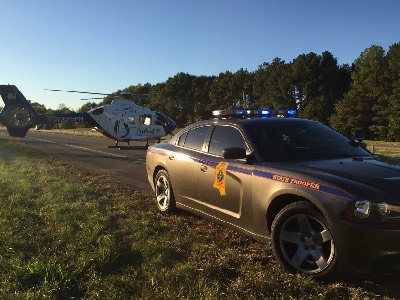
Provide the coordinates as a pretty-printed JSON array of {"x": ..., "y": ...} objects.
[
  {"x": 145, "y": 119},
  {"x": 131, "y": 120},
  {"x": 182, "y": 139},
  {"x": 225, "y": 137},
  {"x": 195, "y": 138}
]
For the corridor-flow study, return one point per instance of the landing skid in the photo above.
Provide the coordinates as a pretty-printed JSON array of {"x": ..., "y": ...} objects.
[{"x": 129, "y": 147}]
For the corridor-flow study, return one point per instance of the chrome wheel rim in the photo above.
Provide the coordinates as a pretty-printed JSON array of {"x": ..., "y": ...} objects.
[
  {"x": 306, "y": 244},
  {"x": 162, "y": 192}
]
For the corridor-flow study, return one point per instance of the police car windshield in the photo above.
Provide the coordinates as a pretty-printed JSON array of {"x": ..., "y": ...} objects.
[{"x": 300, "y": 140}]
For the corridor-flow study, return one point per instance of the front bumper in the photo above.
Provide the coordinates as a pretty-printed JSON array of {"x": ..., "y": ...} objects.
[{"x": 367, "y": 247}]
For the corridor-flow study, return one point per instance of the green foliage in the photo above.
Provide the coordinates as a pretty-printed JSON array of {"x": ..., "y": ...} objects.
[
  {"x": 371, "y": 101},
  {"x": 40, "y": 108},
  {"x": 87, "y": 106},
  {"x": 393, "y": 95},
  {"x": 272, "y": 86},
  {"x": 365, "y": 95}
]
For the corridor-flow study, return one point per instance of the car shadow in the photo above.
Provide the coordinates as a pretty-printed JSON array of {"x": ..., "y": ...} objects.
[{"x": 380, "y": 285}]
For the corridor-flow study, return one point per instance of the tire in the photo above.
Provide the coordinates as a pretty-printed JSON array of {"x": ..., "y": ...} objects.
[
  {"x": 302, "y": 241},
  {"x": 164, "y": 196}
]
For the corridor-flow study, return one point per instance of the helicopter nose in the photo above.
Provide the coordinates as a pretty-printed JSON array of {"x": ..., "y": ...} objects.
[{"x": 168, "y": 124}]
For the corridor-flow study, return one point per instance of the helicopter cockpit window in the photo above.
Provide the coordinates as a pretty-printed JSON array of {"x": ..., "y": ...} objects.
[
  {"x": 131, "y": 120},
  {"x": 98, "y": 111},
  {"x": 160, "y": 120},
  {"x": 145, "y": 120}
]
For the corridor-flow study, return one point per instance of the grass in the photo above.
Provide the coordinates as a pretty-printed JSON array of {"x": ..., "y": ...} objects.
[
  {"x": 384, "y": 148},
  {"x": 69, "y": 234}
]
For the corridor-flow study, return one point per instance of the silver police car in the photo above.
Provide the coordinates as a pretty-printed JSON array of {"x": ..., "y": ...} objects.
[{"x": 325, "y": 203}]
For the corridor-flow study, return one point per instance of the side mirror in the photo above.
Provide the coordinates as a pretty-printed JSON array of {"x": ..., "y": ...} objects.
[
  {"x": 234, "y": 153},
  {"x": 359, "y": 135}
]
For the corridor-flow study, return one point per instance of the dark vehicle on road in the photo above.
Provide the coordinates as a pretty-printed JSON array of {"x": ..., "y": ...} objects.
[{"x": 325, "y": 203}]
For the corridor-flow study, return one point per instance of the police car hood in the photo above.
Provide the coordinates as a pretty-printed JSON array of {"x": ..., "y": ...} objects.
[{"x": 367, "y": 171}]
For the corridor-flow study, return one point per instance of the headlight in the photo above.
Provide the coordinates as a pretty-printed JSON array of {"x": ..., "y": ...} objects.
[
  {"x": 383, "y": 208},
  {"x": 362, "y": 208},
  {"x": 372, "y": 211}
]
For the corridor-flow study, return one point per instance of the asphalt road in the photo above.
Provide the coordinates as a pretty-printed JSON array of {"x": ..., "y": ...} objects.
[{"x": 92, "y": 153}]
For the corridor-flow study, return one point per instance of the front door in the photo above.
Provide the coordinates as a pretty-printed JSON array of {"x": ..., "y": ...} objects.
[{"x": 221, "y": 181}]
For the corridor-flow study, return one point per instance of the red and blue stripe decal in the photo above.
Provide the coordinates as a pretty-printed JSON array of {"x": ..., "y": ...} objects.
[{"x": 324, "y": 188}]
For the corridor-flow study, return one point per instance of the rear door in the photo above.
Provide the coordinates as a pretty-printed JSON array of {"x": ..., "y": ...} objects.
[{"x": 183, "y": 164}]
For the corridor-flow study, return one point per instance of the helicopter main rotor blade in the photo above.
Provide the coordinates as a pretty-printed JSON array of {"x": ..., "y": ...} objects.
[
  {"x": 89, "y": 99},
  {"x": 80, "y": 92},
  {"x": 122, "y": 94},
  {"x": 119, "y": 96}
]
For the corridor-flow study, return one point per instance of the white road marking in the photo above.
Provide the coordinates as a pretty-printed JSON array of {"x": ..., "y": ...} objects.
[{"x": 90, "y": 150}]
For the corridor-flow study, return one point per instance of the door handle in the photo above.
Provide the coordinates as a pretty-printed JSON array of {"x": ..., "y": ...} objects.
[
  {"x": 203, "y": 168},
  {"x": 171, "y": 157}
]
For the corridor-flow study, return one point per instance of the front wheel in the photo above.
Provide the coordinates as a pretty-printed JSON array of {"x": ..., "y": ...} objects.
[
  {"x": 163, "y": 191},
  {"x": 302, "y": 241}
]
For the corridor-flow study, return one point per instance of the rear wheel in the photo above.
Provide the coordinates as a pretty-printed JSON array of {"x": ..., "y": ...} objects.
[
  {"x": 163, "y": 191},
  {"x": 302, "y": 241}
]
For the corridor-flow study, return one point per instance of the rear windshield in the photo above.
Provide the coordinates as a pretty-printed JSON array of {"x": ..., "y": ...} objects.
[{"x": 293, "y": 141}]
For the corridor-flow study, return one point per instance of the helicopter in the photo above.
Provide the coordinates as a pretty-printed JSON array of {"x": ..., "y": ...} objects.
[{"x": 122, "y": 120}]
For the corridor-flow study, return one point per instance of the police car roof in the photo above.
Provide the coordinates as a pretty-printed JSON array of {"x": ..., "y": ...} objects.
[
  {"x": 250, "y": 121},
  {"x": 240, "y": 122}
]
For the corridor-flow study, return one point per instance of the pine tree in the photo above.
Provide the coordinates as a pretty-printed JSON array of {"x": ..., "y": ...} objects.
[
  {"x": 272, "y": 86},
  {"x": 360, "y": 106},
  {"x": 393, "y": 78}
]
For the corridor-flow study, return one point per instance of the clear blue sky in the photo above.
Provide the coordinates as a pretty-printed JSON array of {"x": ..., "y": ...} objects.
[{"x": 102, "y": 46}]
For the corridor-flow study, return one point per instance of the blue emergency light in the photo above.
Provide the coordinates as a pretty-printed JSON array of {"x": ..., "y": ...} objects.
[
  {"x": 265, "y": 112},
  {"x": 254, "y": 113}
]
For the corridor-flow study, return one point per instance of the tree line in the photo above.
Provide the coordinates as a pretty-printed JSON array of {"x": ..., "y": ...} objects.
[{"x": 364, "y": 95}]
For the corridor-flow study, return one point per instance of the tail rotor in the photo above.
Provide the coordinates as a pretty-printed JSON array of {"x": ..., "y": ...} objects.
[{"x": 18, "y": 115}]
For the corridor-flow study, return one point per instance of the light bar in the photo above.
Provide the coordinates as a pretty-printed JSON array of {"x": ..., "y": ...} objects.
[{"x": 253, "y": 113}]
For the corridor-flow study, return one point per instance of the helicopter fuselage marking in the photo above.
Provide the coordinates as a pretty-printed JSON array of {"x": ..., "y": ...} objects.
[
  {"x": 69, "y": 119},
  {"x": 148, "y": 130},
  {"x": 121, "y": 129}
]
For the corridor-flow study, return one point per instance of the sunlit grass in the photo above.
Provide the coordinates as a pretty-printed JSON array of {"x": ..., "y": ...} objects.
[
  {"x": 391, "y": 149},
  {"x": 69, "y": 234}
]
